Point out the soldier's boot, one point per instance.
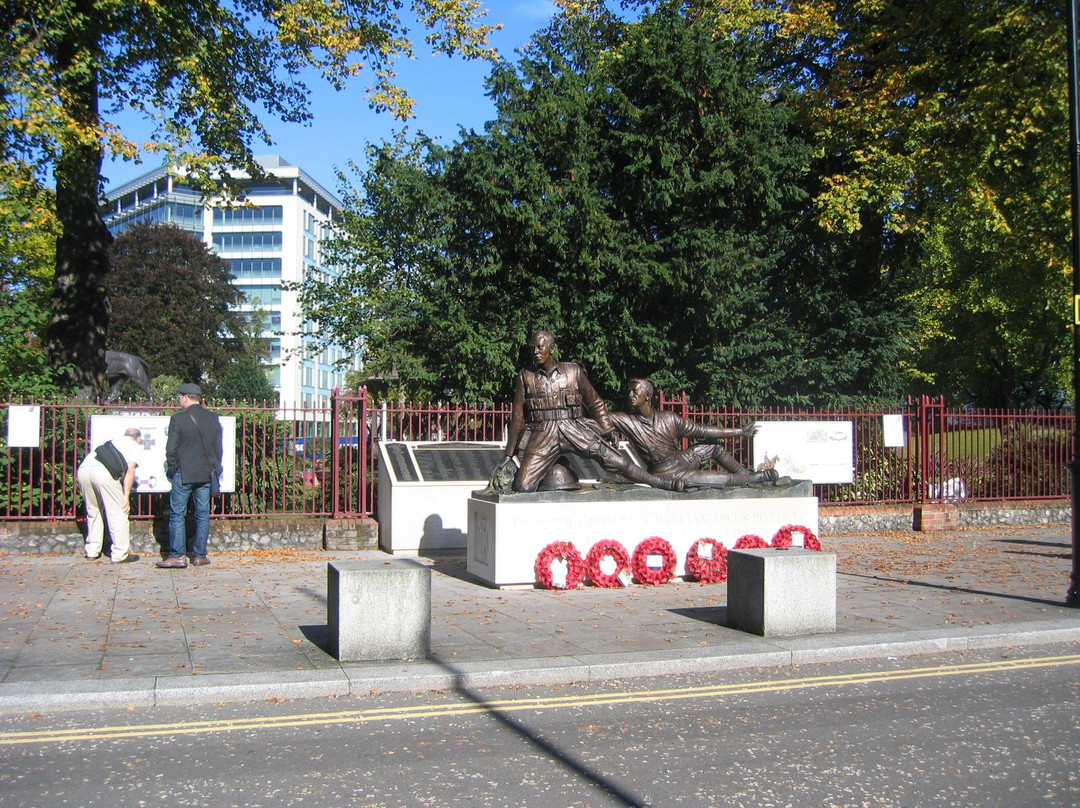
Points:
(765, 476)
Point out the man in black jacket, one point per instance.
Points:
(193, 465)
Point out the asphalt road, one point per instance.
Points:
(994, 728)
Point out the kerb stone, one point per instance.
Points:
(781, 592)
(378, 610)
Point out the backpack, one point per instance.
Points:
(109, 456)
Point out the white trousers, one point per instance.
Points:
(104, 500)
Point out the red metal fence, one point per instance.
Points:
(322, 461)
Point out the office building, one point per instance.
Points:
(273, 239)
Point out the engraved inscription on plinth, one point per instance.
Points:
(457, 462)
(400, 462)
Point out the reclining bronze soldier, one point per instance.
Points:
(657, 435)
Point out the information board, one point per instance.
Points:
(150, 468)
(820, 451)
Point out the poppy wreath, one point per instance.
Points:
(708, 570)
(750, 542)
(653, 545)
(575, 567)
(784, 534)
(606, 548)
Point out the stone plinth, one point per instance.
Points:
(781, 593)
(378, 610)
(508, 531)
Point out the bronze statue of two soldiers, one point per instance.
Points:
(557, 411)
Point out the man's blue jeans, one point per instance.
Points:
(199, 493)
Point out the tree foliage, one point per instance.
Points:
(943, 130)
(635, 195)
(202, 72)
(643, 193)
(940, 180)
(172, 303)
(27, 251)
(245, 380)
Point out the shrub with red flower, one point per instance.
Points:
(710, 568)
(750, 542)
(575, 567)
(604, 549)
(783, 537)
(653, 546)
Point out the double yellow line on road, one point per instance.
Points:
(524, 704)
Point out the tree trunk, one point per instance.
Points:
(79, 323)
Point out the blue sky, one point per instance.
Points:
(449, 95)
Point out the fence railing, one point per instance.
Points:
(321, 461)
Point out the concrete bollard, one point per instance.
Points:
(781, 592)
(378, 610)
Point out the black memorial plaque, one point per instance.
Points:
(401, 463)
(457, 462)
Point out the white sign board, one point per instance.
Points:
(820, 451)
(150, 469)
(24, 427)
(892, 427)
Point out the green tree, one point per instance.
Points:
(27, 252)
(24, 366)
(940, 183)
(632, 196)
(202, 71)
(245, 380)
(395, 225)
(166, 387)
(172, 301)
(943, 130)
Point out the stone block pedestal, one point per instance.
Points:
(781, 593)
(378, 610)
(508, 531)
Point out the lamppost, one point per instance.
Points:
(1073, 597)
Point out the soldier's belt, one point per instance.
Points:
(564, 414)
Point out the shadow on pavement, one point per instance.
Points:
(952, 588)
(717, 615)
(319, 636)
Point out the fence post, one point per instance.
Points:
(335, 454)
(363, 432)
(931, 422)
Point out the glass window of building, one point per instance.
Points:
(253, 240)
(256, 267)
(248, 216)
(262, 295)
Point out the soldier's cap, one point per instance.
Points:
(190, 389)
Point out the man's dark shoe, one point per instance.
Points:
(177, 563)
(128, 559)
(93, 557)
(196, 561)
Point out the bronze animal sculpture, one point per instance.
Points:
(120, 366)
